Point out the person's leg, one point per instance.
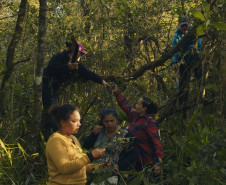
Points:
(182, 72)
(185, 74)
(198, 69)
(48, 98)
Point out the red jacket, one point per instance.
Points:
(145, 131)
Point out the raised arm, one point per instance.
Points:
(91, 139)
(123, 103)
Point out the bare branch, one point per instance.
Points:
(15, 64)
(159, 62)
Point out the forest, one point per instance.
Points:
(128, 44)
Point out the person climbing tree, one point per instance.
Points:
(185, 59)
(62, 67)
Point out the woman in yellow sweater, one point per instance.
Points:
(67, 165)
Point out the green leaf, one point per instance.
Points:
(190, 168)
(197, 14)
(193, 179)
(200, 30)
(206, 7)
(137, 180)
(191, 122)
(219, 25)
(22, 150)
(7, 152)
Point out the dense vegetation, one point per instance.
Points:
(129, 44)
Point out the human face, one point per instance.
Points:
(184, 28)
(72, 124)
(140, 110)
(110, 123)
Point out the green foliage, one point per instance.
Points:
(15, 163)
(120, 37)
(196, 154)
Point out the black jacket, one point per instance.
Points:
(58, 71)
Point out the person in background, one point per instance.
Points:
(185, 59)
(67, 164)
(61, 68)
(145, 130)
(113, 138)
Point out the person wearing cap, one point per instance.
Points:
(60, 69)
(185, 58)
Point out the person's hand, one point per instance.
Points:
(105, 84)
(104, 165)
(157, 169)
(72, 66)
(116, 170)
(115, 88)
(97, 153)
(175, 67)
(96, 129)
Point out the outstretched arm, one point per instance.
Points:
(123, 103)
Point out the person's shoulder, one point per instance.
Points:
(59, 55)
(150, 119)
(178, 32)
(54, 138)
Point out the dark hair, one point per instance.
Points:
(152, 108)
(106, 112)
(61, 113)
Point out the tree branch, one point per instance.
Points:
(14, 65)
(159, 62)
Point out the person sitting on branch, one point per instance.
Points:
(185, 59)
(62, 67)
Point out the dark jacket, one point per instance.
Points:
(58, 72)
(127, 155)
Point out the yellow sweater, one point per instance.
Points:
(66, 162)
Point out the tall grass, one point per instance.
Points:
(17, 167)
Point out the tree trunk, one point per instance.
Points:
(222, 79)
(38, 76)
(85, 7)
(11, 52)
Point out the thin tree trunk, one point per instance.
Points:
(221, 111)
(86, 12)
(38, 76)
(11, 52)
